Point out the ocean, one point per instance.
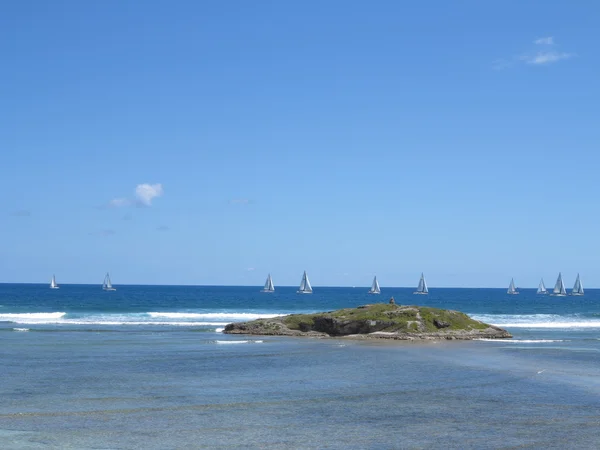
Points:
(148, 367)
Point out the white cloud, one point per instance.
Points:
(546, 57)
(250, 269)
(145, 193)
(544, 41)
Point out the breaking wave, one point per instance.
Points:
(538, 320)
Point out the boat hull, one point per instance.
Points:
(267, 291)
(303, 292)
(558, 295)
(109, 289)
(421, 293)
(577, 295)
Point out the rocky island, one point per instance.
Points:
(376, 321)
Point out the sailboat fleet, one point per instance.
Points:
(559, 289)
(306, 288)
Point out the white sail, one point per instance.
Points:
(542, 287)
(512, 288)
(422, 287)
(559, 288)
(53, 284)
(107, 285)
(305, 287)
(578, 288)
(375, 287)
(269, 287)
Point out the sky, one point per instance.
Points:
(185, 142)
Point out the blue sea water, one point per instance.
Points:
(147, 367)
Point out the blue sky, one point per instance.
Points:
(213, 142)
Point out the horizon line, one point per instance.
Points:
(259, 285)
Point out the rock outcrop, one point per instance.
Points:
(377, 321)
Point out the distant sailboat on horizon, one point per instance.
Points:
(559, 288)
(375, 287)
(53, 284)
(422, 287)
(305, 287)
(512, 290)
(107, 285)
(269, 287)
(542, 288)
(578, 288)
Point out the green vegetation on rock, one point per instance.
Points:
(376, 320)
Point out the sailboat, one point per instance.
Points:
(53, 284)
(269, 285)
(107, 285)
(375, 287)
(559, 288)
(542, 288)
(578, 288)
(512, 290)
(305, 287)
(422, 287)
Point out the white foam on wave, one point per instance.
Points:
(39, 316)
(220, 329)
(536, 321)
(21, 329)
(590, 324)
(522, 341)
(231, 316)
(238, 342)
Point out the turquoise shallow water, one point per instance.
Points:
(97, 370)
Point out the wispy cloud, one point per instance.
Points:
(21, 213)
(546, 57)
(103, 233)
(249, 269)
(535, 57)
(144, 194)
(119, 202)
(163, 228)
